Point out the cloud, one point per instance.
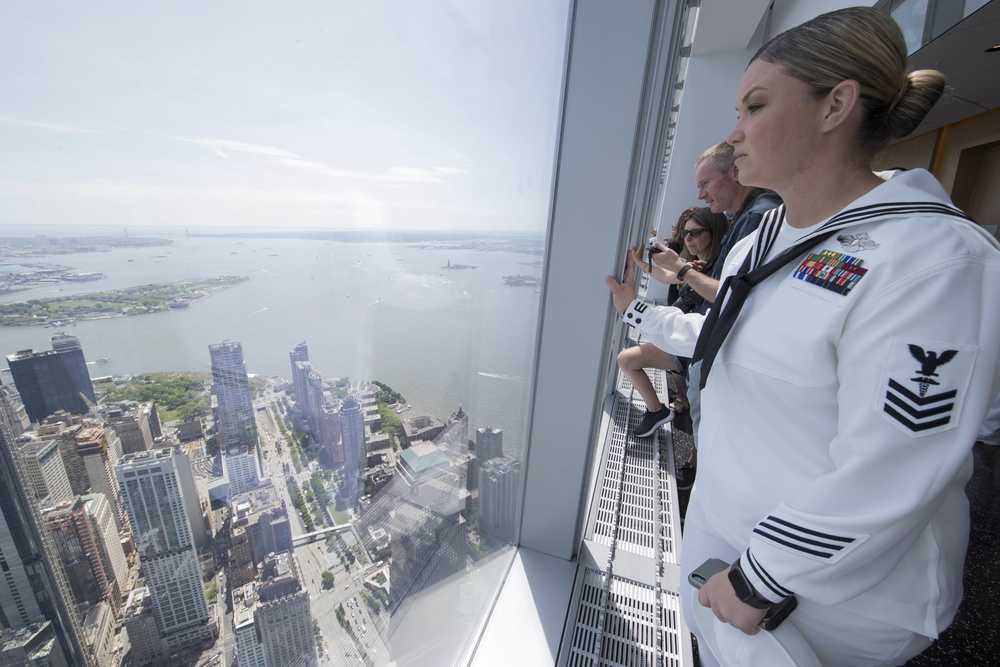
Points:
(48, 126)
(300, 163)
(414, 175)
(393, 174)
(113, 191)
(223, 147)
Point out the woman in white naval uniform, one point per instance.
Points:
(840, 411)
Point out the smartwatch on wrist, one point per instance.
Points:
(683, 272)
(744, 590)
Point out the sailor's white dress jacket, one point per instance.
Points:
(839, 416)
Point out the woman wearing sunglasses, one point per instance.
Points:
(701, 233)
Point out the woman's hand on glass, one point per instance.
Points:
(639, 258)
(623, 292)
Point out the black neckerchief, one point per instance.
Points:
(720, 320)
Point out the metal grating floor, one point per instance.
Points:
(620, 626)
(627, 611)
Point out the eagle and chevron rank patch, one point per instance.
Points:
(924, 384)
(831, 270)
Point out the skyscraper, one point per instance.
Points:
(103, 522)
(36, 644)
(499, 480)
(152, 492)
(17, 601)
(74, 539)
(64, 342)
(137, 425)
(299, 358)
(249, 650)
(237, 429)
(271, 616)
(52, 380)
(45, 472)
(316, 400)
(489, 443)
(18, 606)
(282, 615)
(100, 449)
(263, 514)
(140, 623)
(240, 468)
(232, 388)
(352, 432)
(310, 396)
(34, 584)
(329, 433)
(192, 501)
(63, 427)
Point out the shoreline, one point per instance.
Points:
(113, 304)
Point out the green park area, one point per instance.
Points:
(176, 395)
(114, 303)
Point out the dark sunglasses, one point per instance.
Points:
(693, 233)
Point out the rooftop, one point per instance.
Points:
(36, 448)
(423, 456)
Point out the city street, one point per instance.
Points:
(314, 559)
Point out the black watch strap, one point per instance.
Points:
(743, 588)
(683, 272)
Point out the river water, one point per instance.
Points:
(385, 311)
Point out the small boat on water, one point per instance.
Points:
(104, 360)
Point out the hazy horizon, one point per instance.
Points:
(431, 116)
(115, 231)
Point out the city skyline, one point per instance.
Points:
(428, 488)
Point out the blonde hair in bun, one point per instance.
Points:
(864, 45)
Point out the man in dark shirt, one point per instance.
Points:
(717, 178)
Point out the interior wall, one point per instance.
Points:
(980, 193)
(705, 118)
(975, 131)
(963, 156)
(913, 153)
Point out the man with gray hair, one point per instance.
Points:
(717, 178)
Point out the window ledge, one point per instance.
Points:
(527, 624)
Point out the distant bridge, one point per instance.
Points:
(309, 538)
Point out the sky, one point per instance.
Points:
(368, 114)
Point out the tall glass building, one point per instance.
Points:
(53, 380)
(151, 488)
(236, 427)
(352, 433)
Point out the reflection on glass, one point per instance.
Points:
(923, 20)
(911, 15)
(286, 264)
(948, 14)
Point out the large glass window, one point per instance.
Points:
(925, 20)
(348, 201)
